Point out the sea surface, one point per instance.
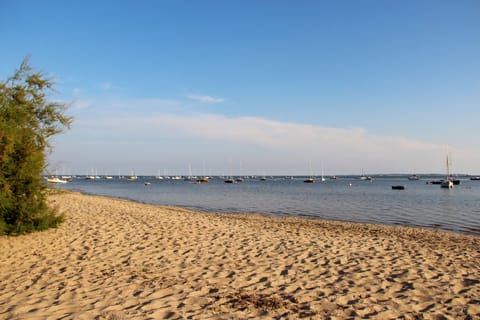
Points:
(344, 199)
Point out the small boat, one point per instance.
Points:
(398, 187)
(475, 178)
(322, 178)
(366, 178)
(147, 183)
(448, 182)
(239, 179)
(229, 180)
(309, 180)
(202, 180)
(56, 180)
(413, 177)
(133, 176)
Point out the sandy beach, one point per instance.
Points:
(116, 259)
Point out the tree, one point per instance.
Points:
(27, 122)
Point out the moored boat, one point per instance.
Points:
(202, 180)
(54, 179)
(448, 182)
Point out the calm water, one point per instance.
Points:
(345, 199)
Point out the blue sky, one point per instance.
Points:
(256, 87)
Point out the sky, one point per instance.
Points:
(255, 87)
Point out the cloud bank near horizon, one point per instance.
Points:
(156, 137)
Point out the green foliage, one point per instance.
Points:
(27, 122)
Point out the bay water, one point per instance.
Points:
(343, 199)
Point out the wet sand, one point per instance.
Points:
(116, 259)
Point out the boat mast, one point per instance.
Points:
(448, 169)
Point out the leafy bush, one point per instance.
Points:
(27, 122)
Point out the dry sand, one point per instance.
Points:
(115, 259)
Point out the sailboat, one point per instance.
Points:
(413, 177)
(56, 179)
(158, 176)
(202, 180)
(190, 175)
(447, 183)
(205, 178)
(310, 179)
(133, 177)
(365, 178)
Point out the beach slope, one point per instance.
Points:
(116, 259)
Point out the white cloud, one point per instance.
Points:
(205, 98)
(276, 144)
(152, 130)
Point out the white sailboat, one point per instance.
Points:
(448, 182)
(133, 177)
(55, 179)
(158, 176)
(366, 178)
(310, 179)
(323, 177)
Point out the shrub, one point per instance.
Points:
(27, 122)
